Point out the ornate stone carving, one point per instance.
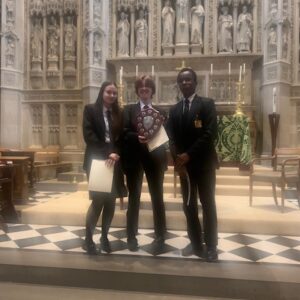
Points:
(36, 40)
(36, 7)
(97, 12)
(10, 51)
(272, 42)
(141, 34)
(53, 49)
(168, 24)
(71, 124)
(37, 124)
(10, 14)
(98, 46)
(70, 7)
(53, 111)
(182, 22)
(225, 29)
(244, 30)
(123, 31)
(54, 7)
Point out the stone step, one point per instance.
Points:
(72, 176)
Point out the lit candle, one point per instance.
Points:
(274, 99)
(121, 75)
(240, 76)
(244, 69)
(229, 68)
(152, 71)
(211, 69)
(136, 71)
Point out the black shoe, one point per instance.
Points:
(157, 245)
(132, 245)
(189, 250)
(212, 254)
(105, 245)
(90, 248)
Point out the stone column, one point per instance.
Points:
(12, 58)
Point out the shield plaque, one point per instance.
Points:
(148, 122)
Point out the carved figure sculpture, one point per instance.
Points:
(168, 22)
(141, 33)
(197, 20)
(123, 31)
(53, 37)
(225, 25)
(10, 10)
(182, 24)
(97, 48)
(272, 42)
(244, 31)
(10, 51)
(70, 37)
(37, 39)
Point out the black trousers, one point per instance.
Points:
(155, 177)
(204, 186)
(101, 202)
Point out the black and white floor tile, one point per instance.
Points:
(37, 197)
(232, 246)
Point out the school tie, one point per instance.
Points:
(109, 121)
(145, 107)
(185, 114)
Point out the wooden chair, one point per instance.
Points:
(285, 171)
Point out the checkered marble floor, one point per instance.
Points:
(37, 197)
(232, 246)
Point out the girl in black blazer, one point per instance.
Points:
(101, 128)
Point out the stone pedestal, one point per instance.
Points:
(168, 50)
(196, 49)
(182, 49)
(70, 72)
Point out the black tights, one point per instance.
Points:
(107, 203)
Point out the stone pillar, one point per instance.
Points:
(12, 58)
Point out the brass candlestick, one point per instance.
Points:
(240, 95)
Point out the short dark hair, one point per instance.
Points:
(145, 81)
(188, 70)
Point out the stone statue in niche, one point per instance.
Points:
(37, 39)
(244, 31)
(272, 42)
(97, 13)
(70, 37)
(10, 51)
(225, 25)
(97, 49)
(168, 22)
(285, 42)
(53, 37)
(182, 22)
(141, 34)
(197, 21)
(123, 31)
(10, 6)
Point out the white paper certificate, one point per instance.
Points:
(101, 177)
(159, 139)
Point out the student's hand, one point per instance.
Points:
(181, 160)
(114, 156)
(142, 139)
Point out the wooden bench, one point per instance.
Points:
(47, 165)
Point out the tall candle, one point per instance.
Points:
(244, 69)
(136, 71)
(152, 71)
(211, 69)
(229, 68)
(240, 76)
(121, 75)
(274, 99)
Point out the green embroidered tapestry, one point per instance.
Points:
(233, 142)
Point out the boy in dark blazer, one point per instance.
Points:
(136, 159)
(192, 128)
